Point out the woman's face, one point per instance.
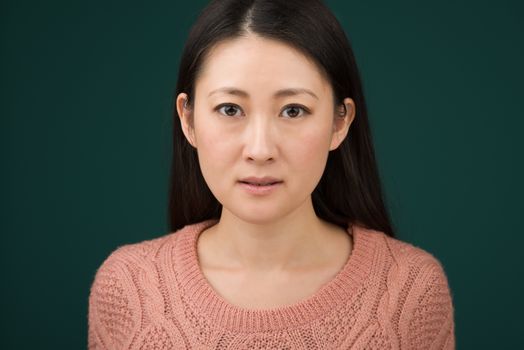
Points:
(261, 108)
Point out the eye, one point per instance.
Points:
(294, 111)
(227, 109)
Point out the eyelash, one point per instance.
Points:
(305, 111)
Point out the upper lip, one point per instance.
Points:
(260, 180)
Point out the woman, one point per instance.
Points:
(280, 238)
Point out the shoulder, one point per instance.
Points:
(115, 296)
(135, 258)
(413, 255)
(419, 270)
(418, 292)
(120, 269)
(125, 261)
(412, 267)
(145, 250)
(404, 255)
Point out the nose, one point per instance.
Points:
(260, 146)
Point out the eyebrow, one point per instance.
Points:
(279, 93)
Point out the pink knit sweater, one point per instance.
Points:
(153, 295)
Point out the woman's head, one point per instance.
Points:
(289, 105)
(262, 108)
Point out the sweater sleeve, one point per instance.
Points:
(432, 322)
(111, 317)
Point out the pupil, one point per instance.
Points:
(294, 111)
(230, 109)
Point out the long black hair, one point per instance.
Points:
(349, 190)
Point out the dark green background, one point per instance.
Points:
(86, 100)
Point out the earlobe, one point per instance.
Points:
(342, 122)
(184, 113)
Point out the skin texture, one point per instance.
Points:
(275, 239)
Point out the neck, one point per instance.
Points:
(298, 241)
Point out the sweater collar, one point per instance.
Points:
(204, 300)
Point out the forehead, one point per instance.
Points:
(256, 62)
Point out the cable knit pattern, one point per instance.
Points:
(153, 295)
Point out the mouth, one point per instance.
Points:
(260, 189)
(260, 180)
(260, 184)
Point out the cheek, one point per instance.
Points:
(311, 151)
(210, 148)
(214, 155)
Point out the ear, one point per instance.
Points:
(342, 122)
(185, 113)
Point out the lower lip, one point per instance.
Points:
(260, 190)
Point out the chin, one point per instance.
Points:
(257, 218)
(256, 215)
